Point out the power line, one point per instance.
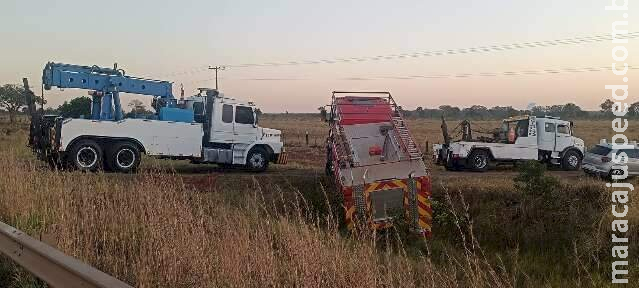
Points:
(435, 53)
(546, 71)
(490, 74)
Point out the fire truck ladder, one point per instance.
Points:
(402, 135)
(342, 147)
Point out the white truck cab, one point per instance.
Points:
(231, 131)
(223, 130)
(547, 139)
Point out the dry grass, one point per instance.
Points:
(152, 231)
(159, 229)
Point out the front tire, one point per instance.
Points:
(571, 161)
(257, 160)
(479, 160)
(86, 156)
(124, 157)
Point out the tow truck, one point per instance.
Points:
(546, 139)
(205, 128)
(376, 164)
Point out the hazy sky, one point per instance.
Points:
(173, 40)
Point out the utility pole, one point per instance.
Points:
(216, 68)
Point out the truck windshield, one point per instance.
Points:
(600, 150)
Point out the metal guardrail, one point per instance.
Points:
(49, 264)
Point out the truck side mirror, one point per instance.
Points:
(255, 118)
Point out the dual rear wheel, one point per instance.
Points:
(89, 156)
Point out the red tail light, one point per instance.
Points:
(374, 150)
(605, 159)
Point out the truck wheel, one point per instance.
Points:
(124, 157)
(571, 161)
(479, 160)
(257, 160)
(86, 155)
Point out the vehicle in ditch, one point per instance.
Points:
(376, 164)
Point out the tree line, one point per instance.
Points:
(479, 112)
(13, 100)
(80, 107)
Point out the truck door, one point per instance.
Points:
(245, 130)
(546, 140)
(222, 124)
(563, 137)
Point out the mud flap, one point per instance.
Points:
(282, 158)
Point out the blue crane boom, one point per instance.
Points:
(106, 84)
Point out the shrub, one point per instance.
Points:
(533, 181)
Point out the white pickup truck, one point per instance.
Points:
(546, 139)
(224, 131)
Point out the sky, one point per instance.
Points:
(178, 40)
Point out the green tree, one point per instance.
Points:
(13, 98)
(533, 181)
(76, 108)
(476, 112)
(571, 110)
(606, 106)
(554, 110)
(323, 112)
(633, 110)
(501, 112)
(137, 109)
(450, 111)
(538, 110)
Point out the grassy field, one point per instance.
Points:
(179, 225)
(295, 127)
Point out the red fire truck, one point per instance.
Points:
(377, 165)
